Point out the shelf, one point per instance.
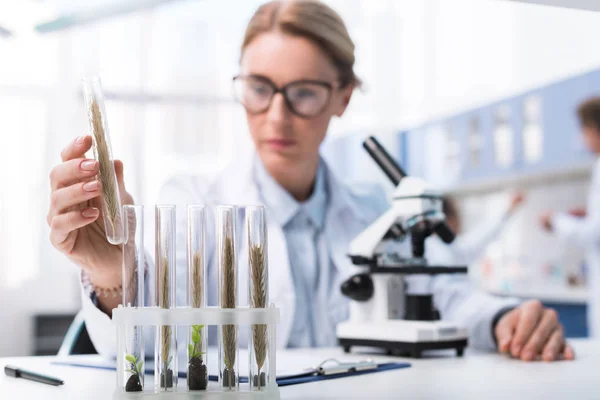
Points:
(580, 171)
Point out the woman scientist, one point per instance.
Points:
(297, 74)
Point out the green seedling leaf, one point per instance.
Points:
(195, 337)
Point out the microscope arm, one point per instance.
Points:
(367, 244)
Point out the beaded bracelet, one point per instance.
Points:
(103, 292)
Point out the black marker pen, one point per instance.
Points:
(16, 372)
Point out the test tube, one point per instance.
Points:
(258, 295)
(133, 295)
(98, 124)
(197, 374)
(226, 258)
(165, 370)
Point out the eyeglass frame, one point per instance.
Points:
(329, 86)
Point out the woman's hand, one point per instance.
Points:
(532, 332)
(75, 216)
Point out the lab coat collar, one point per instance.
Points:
(283, 206)
(243, 186)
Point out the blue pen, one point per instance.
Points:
(16, 372)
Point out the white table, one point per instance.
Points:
(476, 376)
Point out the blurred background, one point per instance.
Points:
(453, 88)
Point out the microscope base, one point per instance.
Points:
(401, 337)
(405, 349)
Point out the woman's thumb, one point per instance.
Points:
(505, 330)
(119, 172)
(125, 196)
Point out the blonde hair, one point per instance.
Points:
(312, 20)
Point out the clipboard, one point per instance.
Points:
(333, 369)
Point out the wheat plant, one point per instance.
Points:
(259, 300)
(165, 337)
(110, 193)
(228, 301)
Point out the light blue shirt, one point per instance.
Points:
(302, 225)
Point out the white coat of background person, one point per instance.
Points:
(581, 227)
(296, 74)
(469, 246)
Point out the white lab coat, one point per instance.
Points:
(585, 233)
(469, 246)
(349, 213)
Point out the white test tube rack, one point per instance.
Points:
(127, 317)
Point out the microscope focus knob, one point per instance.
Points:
(444, 232)
(359, 287)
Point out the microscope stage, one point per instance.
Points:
(410, 337)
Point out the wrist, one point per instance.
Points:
(106, 284)
(105, 277)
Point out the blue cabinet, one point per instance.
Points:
(475, 139)
(573, 317)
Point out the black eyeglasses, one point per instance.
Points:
(305, 98)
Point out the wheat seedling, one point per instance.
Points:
(165, 337)
(259, 300)
(197, 281)
(110, 193)
(228, 301)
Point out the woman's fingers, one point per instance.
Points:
(77, 148)
(554, 345)
(62, 225)
(530, 314)
(546, 326)
(568, 352)
(63, 199)
(72, 171)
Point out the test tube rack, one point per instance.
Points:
(152, 317)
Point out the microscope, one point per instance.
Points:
(383, 313)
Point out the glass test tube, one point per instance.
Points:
(226, 258)
(98, 124)
(165, 370)
(133, 295)
(197, 374)
(258, 295)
